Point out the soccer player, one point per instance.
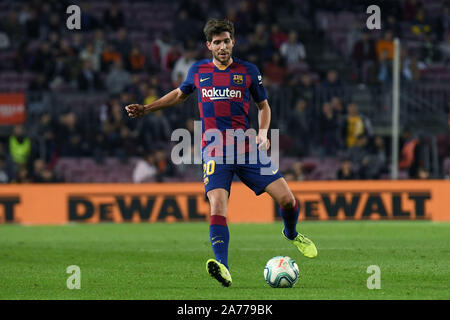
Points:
(225, 84)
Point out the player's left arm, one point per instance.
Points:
(264, 116)
(259, 94)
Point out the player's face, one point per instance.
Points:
(221, 47)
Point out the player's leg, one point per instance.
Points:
(217, 178)
(289, 211)
(219, 236)
(289, 208)
(218, 228)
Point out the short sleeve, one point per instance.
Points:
(257, 89)
(188, 85)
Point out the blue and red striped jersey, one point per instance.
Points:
(224, 95)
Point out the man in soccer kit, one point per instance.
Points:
(225, 84)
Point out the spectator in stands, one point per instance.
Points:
(420, 23)
(172, 57)
(262, 42)
(22, 175)
(293, 50)
(444, 47)
(328, 130)
(117, 78)
(367, 165)
(409, 9)
(39, 83)
(77, 43)
(443, 24)
(145, 169)
(386, 44)
(299, 128)
(355, 125)
(410, 67)
(264, 13)
(428, 50)
(136, 60)
(109, 56)
(193, 9)
(363, 53)
(275, 71)
(332, 86)
(113, 17)
(277, 36)
(89, 54)
(32, 27)
(164, 167)
(99, 42)
(42, 60)
(150, 95)
(38, 168)
(88, 21)
(161, 49)
(338, 108)
(379, 152)
(345, 171)
(88, 78)
(242, 18)
(44, 132)
(410, 154)
(72, 142)
(159, 126)
(19, 145)
(12, 26)
(297, 171)
(181, 67)
(384, 69)
(304, 88)
(183, 27)
(447, 174)
(6, 174)
(423, 174)
(123, 44)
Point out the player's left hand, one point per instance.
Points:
(262, 142)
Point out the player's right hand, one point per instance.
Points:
(135, 110)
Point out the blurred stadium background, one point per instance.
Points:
(69, 153)
(329, 80)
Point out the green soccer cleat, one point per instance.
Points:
(218, 271)
(304, 245)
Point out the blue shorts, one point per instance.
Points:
(257, 176)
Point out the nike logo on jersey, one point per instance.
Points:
(274, 171)
(204, 79)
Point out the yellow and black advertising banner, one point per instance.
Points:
(176, 202)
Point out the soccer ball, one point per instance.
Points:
(281, 272)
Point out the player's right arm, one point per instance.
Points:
(173, 98)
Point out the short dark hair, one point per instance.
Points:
(217, 26)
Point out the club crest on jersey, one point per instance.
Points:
(238, 79)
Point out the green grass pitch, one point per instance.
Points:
(167, 261)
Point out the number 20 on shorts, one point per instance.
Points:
(208, 168)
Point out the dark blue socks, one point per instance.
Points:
(290, 218)
(220, 237)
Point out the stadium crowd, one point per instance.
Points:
(101, 57)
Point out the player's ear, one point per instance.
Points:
(208, 45)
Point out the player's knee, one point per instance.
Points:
(287, 201)
(218, 206)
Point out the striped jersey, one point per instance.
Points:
(224, 95)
